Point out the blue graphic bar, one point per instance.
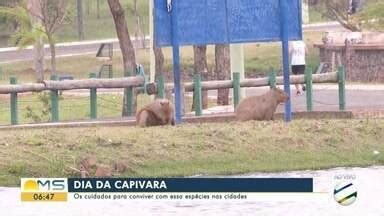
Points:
(244, 185)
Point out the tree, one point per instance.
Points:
(201, 66)
(138, 33)
(127, 50)
(355, 15)
(223, 68)
(80, 19)
(38, 47)
(53, 13)
(28, 32)
(98, 9)
(371, 16)
(338, 10)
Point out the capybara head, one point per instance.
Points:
(166, 105)
(164, 102)
(281, 96)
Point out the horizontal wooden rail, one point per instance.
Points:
(256, 82)
(52, 85)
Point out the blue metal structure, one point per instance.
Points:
(186, 22)
(285, 49)
(176, 59)
(224, 21)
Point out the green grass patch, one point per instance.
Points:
(94, 27)
(316, 16)
(209, 149)
(31, 108)
(70, 108)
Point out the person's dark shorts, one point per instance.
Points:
(298, 69)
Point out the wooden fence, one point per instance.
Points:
(54, 86)
(308, 78)
(160, 87)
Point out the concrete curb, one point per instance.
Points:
(214, 118)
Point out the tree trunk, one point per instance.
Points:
(139, 35)
(88, 6)
(127, 50)
(159, 62)
(38, 59)
(38, 47)
(98, 9)
(200, 66)
(53, 54)
(80, 19)
(223, 68)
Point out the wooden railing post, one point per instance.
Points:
(128, 94)
(272, 78)
(309, 89)
(197, 94)
(14, 117)
(236, 88)
(54, 103)
(93, 99)
(160, 86)
(341, 81)
(110, 72)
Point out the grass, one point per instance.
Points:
(92, 24)
(209, 149)
(72, 107)
(259, 58)
(315, 16)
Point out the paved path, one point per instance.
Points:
(358, 96)
(329, 26)
(369, 183)
(325, 98)
(13, 54)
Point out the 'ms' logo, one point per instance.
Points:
(46, 184)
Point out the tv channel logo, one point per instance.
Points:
(44, 189)
(345, 193)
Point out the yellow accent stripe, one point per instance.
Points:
(44, 197)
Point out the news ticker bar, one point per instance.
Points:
(242, 185)
(60, 189)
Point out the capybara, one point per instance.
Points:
(103, 171)
(159, 112)
(260, 107)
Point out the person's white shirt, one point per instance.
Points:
(297, 51)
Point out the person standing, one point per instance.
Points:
(297, 51)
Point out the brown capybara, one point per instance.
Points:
(159, 112)
(261, 107)
(103, 171)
